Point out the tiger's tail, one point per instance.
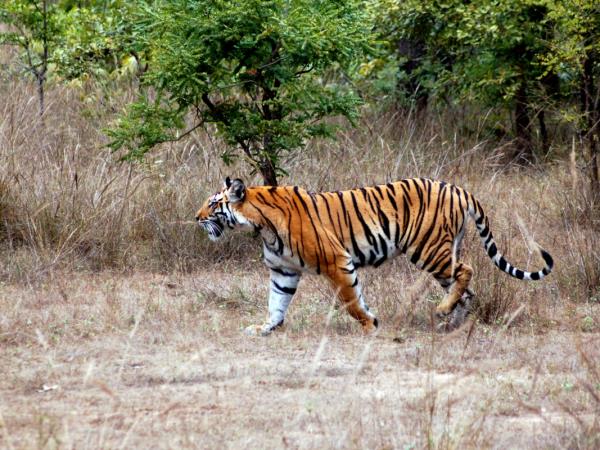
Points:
(482, 224)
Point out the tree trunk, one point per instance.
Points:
(413, 50)
(41, 75)
(524, 146)
(544, 132)
(40, 82)
(267, 170)
(591, 131)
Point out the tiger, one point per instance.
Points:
(334, 233)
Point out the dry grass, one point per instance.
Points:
(120, 323)
(99, 361)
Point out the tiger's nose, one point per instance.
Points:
(197, 217)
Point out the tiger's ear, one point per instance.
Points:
(236, 190)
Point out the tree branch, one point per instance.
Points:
(219, 116)
(188, 132)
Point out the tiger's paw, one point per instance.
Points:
(261, 330)
(257, 330)
(370, 328)
(455, 319)
(442, 311)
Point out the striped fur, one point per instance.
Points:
(334, 233)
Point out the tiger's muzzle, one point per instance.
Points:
(213, 227)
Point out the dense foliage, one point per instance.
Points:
(266, 75)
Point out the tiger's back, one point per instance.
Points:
(418, 217)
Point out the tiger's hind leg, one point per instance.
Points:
(456, 280)
(345, 281)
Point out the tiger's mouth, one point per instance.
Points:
(213, 227)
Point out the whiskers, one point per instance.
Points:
(214, 229)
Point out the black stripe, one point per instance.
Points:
(273, 229)
(418, 220)
(343, 205)
(380, 261)
(535, 276)
(383, 258)
(478, 207)
(328, 209)
(502, 264)
(451, 203)
(314, 202)
(289, 228)
(397, 235)
(492, 250)
(443, 269)
(391, 197)
(444, 257)
(433, 251)
(368, 233)
(547, 259)
(355, 247)
(284, 289)
(373, 202)
(299, 197)
(426, 238)
(406, 189)
(406, 223)
(312, 222)
(385, 222)
(372, 258)
(519, 274)
(283, 272)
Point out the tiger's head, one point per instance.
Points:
(223, 209)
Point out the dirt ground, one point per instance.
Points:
(155, 361)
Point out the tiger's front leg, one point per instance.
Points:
(283, 287)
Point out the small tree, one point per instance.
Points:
(32, 27)
(260, 70)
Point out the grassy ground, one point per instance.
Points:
(120, 324)
(116, 361)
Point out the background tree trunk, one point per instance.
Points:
(267, 170)
(413, 50)
(524, 146)
(590, 132)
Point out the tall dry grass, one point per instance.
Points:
(67, 203)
